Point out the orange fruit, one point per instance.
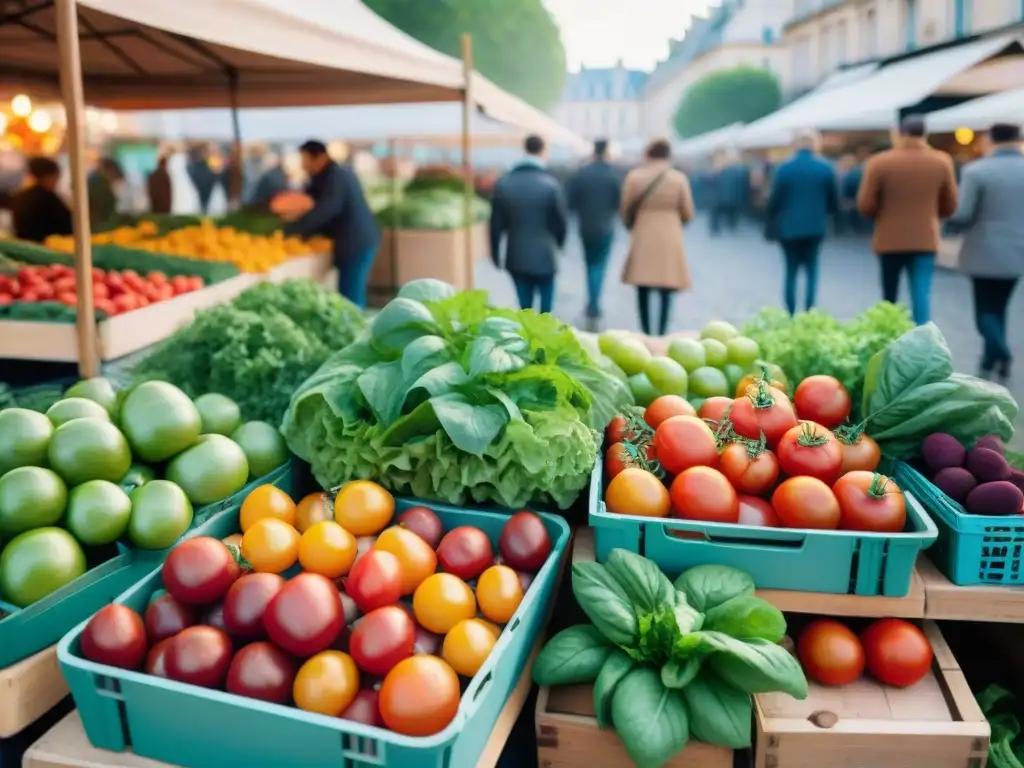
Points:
(363, 508)
(499, 593)
(442, 601)
(467, 646)
(417, 559)
(266, 501)
(270, 546)
(311, 510)
(328, 549)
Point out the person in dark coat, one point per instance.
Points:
(594, 192)
(730, 194)
(803, 198)
(38, 210)
(158, 185)
(342, 214)
(529, 211)
(202, 176)
(270, 183)
(102, 185)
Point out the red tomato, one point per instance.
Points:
(166, 617)
(246, 602)
(28, 295)
(756, 511)
(106, 306)
(67, 298)
(806, 502)
(524, 543)
(812, 450)
(14, 286)
(65, 285)
(214, 617)
(618, 457)
(98, 274)
(125, 302)
(636, 491)
(749, 469)
(262, 671)
(46, 291)
(665, 407)
(715, 408)
(863, 453)
(682, 442)
(702, 493)
(199, 656)
(157, 278)
(115, 636)
(830, 653)
(199, 571)
(364, 709)
(420, 696)
(195, 283)
(823, 400)
(156, 659)
(381, 639)
(375, 580)
(424, 523)
(305, 616)
(30, 274)
(5, 299)
(100, 291)
(870, 502)
(766, 411)
(179, 284)
(897, 652)
(617, 430)
(466, 552)
(164, 292)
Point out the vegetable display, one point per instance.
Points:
(431, 208)
(980, 480)
(1003, 711)
(671, 660)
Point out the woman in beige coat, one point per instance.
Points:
(656, 202)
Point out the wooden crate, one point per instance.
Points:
(314, 266)
(934, 724)
(405, 255)
(568, 736)
(982, 602)
(28, 690)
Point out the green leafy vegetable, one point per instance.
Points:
(757, 666)
(708, 586)
(719, 713)
(651, 719)
(643, 582)
(605, 602)
(747, 617)
(1002, 709)
(435, 208)
(679, 674)
(616, 667)
(574, 655)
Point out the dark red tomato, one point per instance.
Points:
(465, 552)
(375, 580)
(683, 442)
(156, 659)
(665, 407)
(115, 636)
(524, 543)
(806, 502)
(199, 571)
(428, 642)
(715, 408)
(364, 709)
(305, 616)
(214, 617)
(166, 617)
(823, 400)
(870, 502)
(246, 601)
(756, 511)
(200, 656)
(749, 469)
(897, 652)
(424, 523)
(702, 493)
(863, 453)
(262, 671)
(830, 653)
(525, 580)
(765, 411)
(617, 430)
(381, 639)
(812, 450)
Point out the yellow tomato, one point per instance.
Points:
(266, 501)
(499, 593)
(270, 546)
(441, 602)
(328, 549)
(363, 508)
(417, 559)
(326, 683)
(467, 646)
(312, 510)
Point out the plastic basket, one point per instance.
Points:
(837, 562)
(202, 728)
(29, 630)
(970, 549)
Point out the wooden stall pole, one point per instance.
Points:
(394, 224)
(467, 158)
(74, 108)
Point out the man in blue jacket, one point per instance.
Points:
(804, 197)
(342, 214)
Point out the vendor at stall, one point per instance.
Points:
(38, 210)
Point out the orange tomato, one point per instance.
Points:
(417, 559)
(266, 501)
(327, 683)
(270, 546)
(312, 510)
(636, 491)
(442, 601)
(363, 508)
(327, 549)
(498, 593)
(467, 646)
(420, 696)
(234, 540)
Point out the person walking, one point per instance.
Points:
(203, 178)
(594, 192)
(341, 213)
(158, 186)
(38, 211)
(731, 187)
(992, 253)
(907, 190)
(656, 202)
(103, 186)
(803, 198)
(528, 210)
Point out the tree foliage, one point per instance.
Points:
(516, 43)
(735, 95)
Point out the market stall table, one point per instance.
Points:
(28, 690)
(945, 600)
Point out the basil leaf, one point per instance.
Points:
(687, 619)
(604, 602)
(679, 674)
(646, 586)
(650, 719)
(574, 655)
(719, 714)
(616, 667)
(471, 428)
(758, 666)
(747, 617)
(708, 586)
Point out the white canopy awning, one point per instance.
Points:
(980, 113)
(708, 143)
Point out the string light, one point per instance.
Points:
(963, 136)
(40, 121)
(21, 105)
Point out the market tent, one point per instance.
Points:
(708, 143)
(980, 113)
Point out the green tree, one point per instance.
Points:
(516, 43)
(736, 95)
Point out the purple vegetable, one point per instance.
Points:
(955, 482)
(998, 498)
(987, 465)
(992, 442)
(1017, 478)
(940, 451)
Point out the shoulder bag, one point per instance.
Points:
(634, 207)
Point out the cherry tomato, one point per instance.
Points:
(637, 492)
(823, 400)
(266, 501)
(214, 617)
(420, 696)
(617, 430)
(749, 469)
(200, 656)
(415, 557)
(524, 543)
(870, 502)
(498, 593)
(665, 407)
(465, 551)
(381, 639)
(756, 511)
(682, 442)
(427, 642)
(247, 601)
(467, 646)
(166, 617)
(830, 652)
(442, 601)
(156, 659)
(715, 408)
(305, 616)
(327, 683)
(810, 449)
(115, 636)
(199, 571)
(375, 580)
(424, 523)
(364, 709)
(765, 411)
(702, 493)
(262, 671)
(863, 453)
(897, 652)
(328, 549)
(748, 385)
(311, 510)
(271, 546)
(806, 502)
(363, 508)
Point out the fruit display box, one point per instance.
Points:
(25, 631)
(122, 709)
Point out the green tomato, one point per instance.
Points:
(159, 421)
(30, 497)
(98, 512)
(37, 563)
(734, 375)
(689, 353)
(628, 352)
(24, 437)
(220, 415)
(715, 352)
(89, 449)
(71, 408)
(742, 350)
(264, 448)
(719, 330)
(709, 382)
(643, 391)
(99, 390)
(211, 470)
(667, 376)
(161, 513)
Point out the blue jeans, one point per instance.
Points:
(991, 298)
(595, 255)
(801, 253)
(529, 286)
(354, 275)
(921, 267)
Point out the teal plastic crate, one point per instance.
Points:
(837, 562)
(970, 549)
(202, 728)
(25, 631)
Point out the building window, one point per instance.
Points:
(870, 36)
(962, 17)
(840, 49)
(910, 23)
(768, 35)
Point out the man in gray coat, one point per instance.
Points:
(528, 210)
(992, 253)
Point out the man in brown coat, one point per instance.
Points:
(907, 190)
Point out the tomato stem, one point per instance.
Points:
(879, 484)
(755, 447)
(809, 438)
(723, 429)
(638, 458)
(761, 397)
(849, 434)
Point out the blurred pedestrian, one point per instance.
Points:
(233, 178)
(528, 209)
(730, 192)
(656, 202)
(907, 190)
(158, 185)
(594, 192)
(202, 175)
(849, 185)
(992, 253)
(38, 211)
(104, 185)
(802, 200)
(271, 182)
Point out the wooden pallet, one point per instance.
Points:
(28, 690)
